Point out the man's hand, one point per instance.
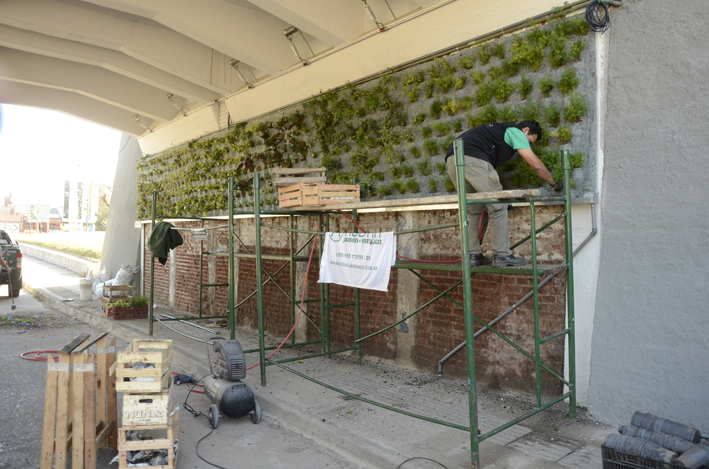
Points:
(559, 186)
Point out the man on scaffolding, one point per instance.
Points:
(486, 148)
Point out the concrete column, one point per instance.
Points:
(122, 243)
(407, 292)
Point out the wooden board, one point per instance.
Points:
(50, 410)
(111, 405)
(63, 411)
(437, 200)
(77, 385)
(89, 412)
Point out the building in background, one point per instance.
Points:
(81, 204)
(11, 217)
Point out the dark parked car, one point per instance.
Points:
(12, 255)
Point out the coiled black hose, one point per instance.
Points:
(597, 21)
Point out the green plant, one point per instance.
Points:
(435, 109)
(445, 66)
(415, 152)
(578, 26)
(419, 119)
(441, 167)
(467, 62)
(412, 185)
(447, 142)
(525, 87)
(577, 48)
(558, 55)
(432, 184)
(563, 134)
(457, 126)
(498, 50)
(502, 89)
(576, 109)
(424, 167)
(459, 83)
(529, 53)
(444, 83)
(431, 146)
(407, 170)
(494, 73)
(484, 55)
(466, 103)
(510, 68)
(568, 81)
(552, 112)
(450, 106)
(576, 159)
(399, 186)
(482, 95)
(507, 114)
(478, 77)
(450, 187)
(442, 128)
(428, 88)
(426, 132)
(134, 302)
(546, 84)
(529, 111)
(395, 172)
(383, 191)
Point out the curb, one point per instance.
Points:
(341, 440)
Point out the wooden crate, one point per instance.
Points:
(305, 194)
(288, 176)
(157, 352)
(147, 409)
(171, 432)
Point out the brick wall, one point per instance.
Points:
(440, 326)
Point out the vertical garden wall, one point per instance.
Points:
(390, 134)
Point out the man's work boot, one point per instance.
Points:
(476, 260)
(507, 261)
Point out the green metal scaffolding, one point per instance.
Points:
(323, 327)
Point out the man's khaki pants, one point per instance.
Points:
(480, 176)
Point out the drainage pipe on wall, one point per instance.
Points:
(594, 230)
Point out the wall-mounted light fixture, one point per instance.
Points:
(138, 121)
(235, 63)
(289, 33)
(175, 102)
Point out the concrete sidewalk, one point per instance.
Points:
(367, 435)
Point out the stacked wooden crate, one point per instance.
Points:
(296, 190)
(144, 375)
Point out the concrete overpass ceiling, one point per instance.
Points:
(82, 107)
(88, 80)
(131, 54)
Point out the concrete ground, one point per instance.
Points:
(311, 421)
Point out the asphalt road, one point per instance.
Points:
(236, 443)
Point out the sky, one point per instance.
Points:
(41, 149)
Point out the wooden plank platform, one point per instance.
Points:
(437, 200)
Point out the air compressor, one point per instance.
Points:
(230, 397)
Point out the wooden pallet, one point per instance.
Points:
(157, 352)
(171, 430)
(80, 403)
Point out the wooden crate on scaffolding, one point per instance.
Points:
(170, 432)
(303, 195)
(145, 366)
(147, 408)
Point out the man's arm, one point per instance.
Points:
(532, 160)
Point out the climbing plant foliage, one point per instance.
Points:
(389, 135)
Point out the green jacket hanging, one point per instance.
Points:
(163, 239)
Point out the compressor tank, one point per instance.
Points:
(234, 398)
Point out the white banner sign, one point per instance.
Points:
(361, 260)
